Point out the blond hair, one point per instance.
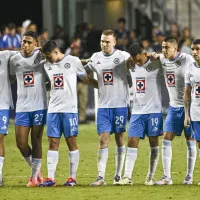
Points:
(109, 32)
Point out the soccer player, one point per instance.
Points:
(109, 64)
(146, 118)
(5, 103)
(174, 66)
(192, 93)
(62, 114)
(27, 66)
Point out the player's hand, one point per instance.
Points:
(38, 48)
(130, 63)
(153, 56)
(86, 61)
(187, 122)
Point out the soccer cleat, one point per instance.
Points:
(70, 182)
(188, 180)
(116, 180)
(149, 181)
(40, 178)
(48, 182)
(1, 183)
(125, 181)
(32, 182)
(164, 181)
(99, 182)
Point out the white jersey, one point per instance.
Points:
(112, 79)
(63, 78)
(30, 74)
(174, 73)
(5, 89)
(147, 88)
(192, 77)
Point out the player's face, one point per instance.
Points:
(28, 44)
(107, 43)
(196, 51)
(169, 50)
(51, 57)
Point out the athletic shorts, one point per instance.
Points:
(4, 121)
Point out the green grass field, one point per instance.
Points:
(16, 173)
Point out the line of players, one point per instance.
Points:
(115, 71)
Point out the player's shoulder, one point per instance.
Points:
(16, 57)
(122, 53)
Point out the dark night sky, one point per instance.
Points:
(19, 10)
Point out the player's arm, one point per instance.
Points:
(90, 81)
(187, 101)
(85, 61)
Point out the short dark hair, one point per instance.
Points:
(121, 20)
(196, 41)
(109, 32)
(135, 49)
(31, 34)
(49, 46)
(171, 39)
(11, 26)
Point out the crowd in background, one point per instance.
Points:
(86, 41)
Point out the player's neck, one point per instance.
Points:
(198, 63)
(143, 61)
(173, 57)
(109, 53)
(60, 57)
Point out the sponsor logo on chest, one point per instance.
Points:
(171, 80)
(58, 81)
(108, 77)
(140, 84)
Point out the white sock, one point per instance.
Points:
(119, 160)
(74, 161)
(191, 156)
(167, 157)
(52, 161)
(35, 167)
(131, 157)
(153, 161)
(28, 160)
(1, 166)
(101, 162)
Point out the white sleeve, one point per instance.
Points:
(126, 55)
(91, 64)
(187, 76)
(189, 60)
(79, 68)
(9, 54)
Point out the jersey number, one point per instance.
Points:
(119, 119)
(154, 121)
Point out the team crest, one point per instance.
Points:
(171, 81)
(178, 63)
(197, 90)
(149, 68)
(28, 79)
(50, 68)
(116, 61)
(108, 77)
(58, 81)
(67, 65)
(140, 85)
(37, 61)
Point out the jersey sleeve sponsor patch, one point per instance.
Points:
(28, 78)
(108, 77)
(58, 81)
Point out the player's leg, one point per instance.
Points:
(104, 129)
(172, 127)
(154, 130)
(120, 116)
(191, 150)
(38, 119)
(135, 132)
(4, 119)
(54, 131)
(70, 129)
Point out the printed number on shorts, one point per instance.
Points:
(4, 118)
(119, 120)
(73, 122)
(38, 117)
(154, 121)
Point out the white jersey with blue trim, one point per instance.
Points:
(30, 75)
(174, 73)
(63, 78)
(192, 78)
(112, 78)
(5, 89)
(147, 88)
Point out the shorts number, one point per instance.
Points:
(119, 119)
(4, 118)
(73, 122)
(154, 121)
(38, 117)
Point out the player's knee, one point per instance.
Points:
(21, 146)
(53, 144)
(153, 141)
(103, 142)
(133, 142)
